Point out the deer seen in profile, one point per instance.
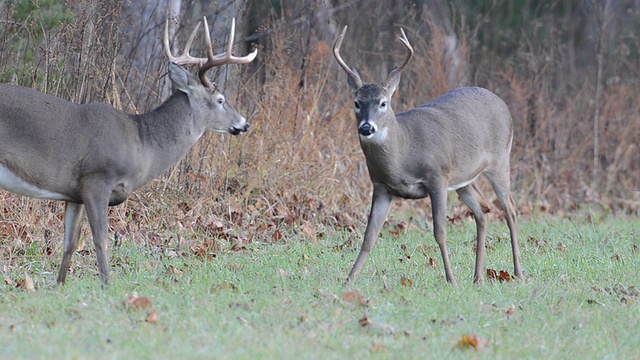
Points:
(428, 150)
(93, 156)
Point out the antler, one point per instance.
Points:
(211, 60)
(336, 53)
(396, 70)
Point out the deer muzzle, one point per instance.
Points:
(366, 128)
(237, 130)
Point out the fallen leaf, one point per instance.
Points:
(277, 235)
(455, 219)
(175, 270)
(141, 302)
(510, 311)
(354, 297)
(406, 281)
(308, 229)
(492, 275)
(472, 341)
(152, 318)
(561, 246)
(136, 302)
(504, 276)
(628, 300)
(432, 263)
(616, 257)
(538, 242)
(364, 321)
(398, 229)
(594, 302)
(27, 283)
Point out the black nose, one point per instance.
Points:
(366, 129)
(236, 131)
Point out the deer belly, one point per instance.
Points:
(409, 191)
(9, 181)
(461, 185)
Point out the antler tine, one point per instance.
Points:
(211, 60)
(403, 39)
(226, 57)
(185, 58)
(336, 53)
(396, 70)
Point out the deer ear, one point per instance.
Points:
(392, 81)
(180, 78)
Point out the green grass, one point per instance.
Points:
(286, 300)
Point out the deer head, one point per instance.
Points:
(372, 102)
(222, 116)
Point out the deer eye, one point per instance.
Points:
(383, 104)
(356, 104)
(220, 100)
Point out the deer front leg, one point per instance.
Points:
(439, 207)
(73, 214)
(379, 208)
(97, 204)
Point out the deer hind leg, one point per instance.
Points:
(73, 215)
(501, 185)
(471, 196)
(439, 207)
(379, 209)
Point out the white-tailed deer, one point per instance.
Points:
(426, 151)
(93, 156)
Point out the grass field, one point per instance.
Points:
(580, 300)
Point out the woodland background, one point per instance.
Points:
(567, 69)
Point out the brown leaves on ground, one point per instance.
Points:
(399, 228)
(628, 295)
(502, 276)
(355, 297)
(364, 321)
(405, 281)
(375, 326)
(135, 302)
(25, 283)
(429, 252)
(406, 255)
(508, 312)
(152, 317)
(472, 341)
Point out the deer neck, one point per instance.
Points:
(168, 132)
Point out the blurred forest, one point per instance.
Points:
(568, 69)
